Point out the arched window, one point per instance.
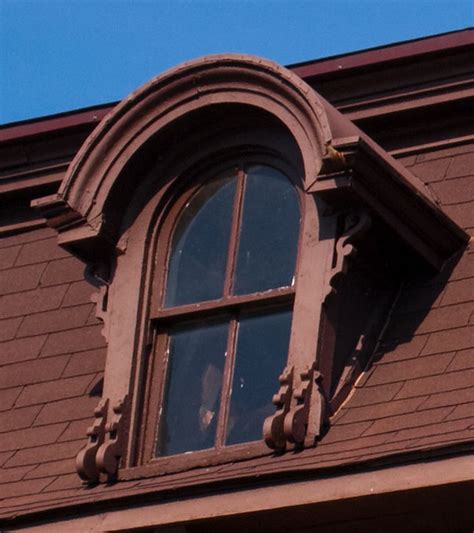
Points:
(258, 285)
(224, 309)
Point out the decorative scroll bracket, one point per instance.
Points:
(317, 411)
(110, 452)
(86, 465)
(303, 422)
(104, 448)
(100, 299)
(345, 248)
(273, 426)
(300, 412)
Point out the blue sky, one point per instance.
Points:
(59, 55)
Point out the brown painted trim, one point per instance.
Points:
(406, 102)
(27, 182)
(386, 54)
(98, 168)
(85, 117)
(22, 227)
(397, 196)
(438, 145)
(29, 178)
(285, 496)
(254, 84)
(30, 171)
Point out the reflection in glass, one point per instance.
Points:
(269, 232)
(197, 263)
(193, 388)
(261, 354)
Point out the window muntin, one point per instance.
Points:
(211, 396)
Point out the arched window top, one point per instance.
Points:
(238, 234)
(197, 260)
(225, 317)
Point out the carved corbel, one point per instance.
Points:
(273, 426)
(86, 465)
(317, 415)
(100, 298)
(109, 454)
(356, 226)
(303, 421)
(58, 214)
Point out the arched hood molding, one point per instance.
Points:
(328, 143)
(236, 79)
(219, 79)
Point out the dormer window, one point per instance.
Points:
(239, 295)
(223, 307)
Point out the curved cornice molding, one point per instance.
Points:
(329, 145)
(221, 79)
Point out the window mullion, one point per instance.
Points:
(235, 231)
(227, 383)
(154, 395)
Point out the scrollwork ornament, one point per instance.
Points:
(100, 298)
(357, 224)
(273, 433)
(109, 454)
(86, 464)
(296, 420)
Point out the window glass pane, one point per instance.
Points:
(198, 258)
(261, 354)
(193, 389)
(269, 232)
